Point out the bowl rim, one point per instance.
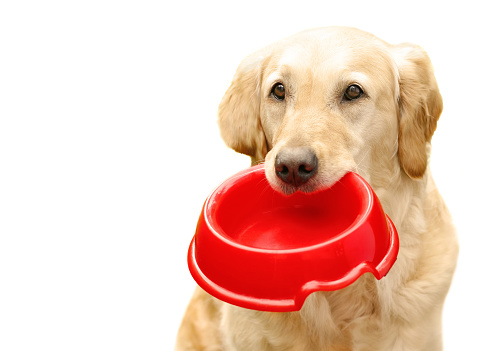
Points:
(358, 221)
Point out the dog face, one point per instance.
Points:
(328, 101)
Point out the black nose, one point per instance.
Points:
(296, 165)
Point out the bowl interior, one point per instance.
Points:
(248, 212)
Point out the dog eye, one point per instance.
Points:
(278, 91)
(353, 92)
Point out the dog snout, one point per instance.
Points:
(296, 165)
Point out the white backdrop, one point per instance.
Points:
(109, 146)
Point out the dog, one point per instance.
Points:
(313, 107)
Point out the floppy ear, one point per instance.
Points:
(239, 110)
(420, 106)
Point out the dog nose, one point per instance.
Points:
(296, 165)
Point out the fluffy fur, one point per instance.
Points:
(384, 136)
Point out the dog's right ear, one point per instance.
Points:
(239, 110)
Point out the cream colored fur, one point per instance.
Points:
(384, 136)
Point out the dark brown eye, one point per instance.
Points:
(278, 91)
(353, 92)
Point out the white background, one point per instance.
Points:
(109, 146)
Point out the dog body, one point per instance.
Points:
(313, 107)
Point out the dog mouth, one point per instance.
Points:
(291, 189)
(299, 169)
(317, 182)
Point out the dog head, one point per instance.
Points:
(327, 101)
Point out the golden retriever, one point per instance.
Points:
(313, 107)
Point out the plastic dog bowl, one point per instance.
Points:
(259, 249)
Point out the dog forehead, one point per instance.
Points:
(302, 65)
(328, 50)
(332, 59)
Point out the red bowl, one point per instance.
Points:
(259, 249)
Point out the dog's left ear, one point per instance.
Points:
(420, 106)
(239, 110)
